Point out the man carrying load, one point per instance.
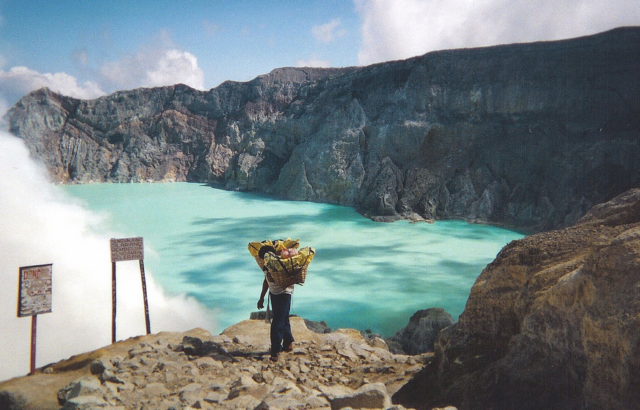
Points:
(283, 266)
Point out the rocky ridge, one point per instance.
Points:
(525, 135)
(552, 323)
(195, 370)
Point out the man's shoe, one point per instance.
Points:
(288, 348)
(274, 358)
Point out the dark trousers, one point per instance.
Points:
(280, 327)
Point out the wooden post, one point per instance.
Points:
(34, 325)
(113, 302)
(144, 297)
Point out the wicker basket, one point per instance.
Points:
(260, 261)
(283, 279)
(255, 248)
(283, 272)
(288, 271)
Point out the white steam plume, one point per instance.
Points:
(40, 224)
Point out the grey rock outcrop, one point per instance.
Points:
(420, 333)
(526, 135)
(552, 323)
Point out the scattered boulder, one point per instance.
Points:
(318, 327)
(420, 334)
(194, 346)
(86, 403)
(11, 400)
(369, 396)
(259, 315)
(89, 386)
(98, 366)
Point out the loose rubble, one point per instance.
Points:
(334, 370)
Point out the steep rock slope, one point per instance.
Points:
(527, 135)
(552, 323)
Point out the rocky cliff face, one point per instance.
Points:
(527, 135)
(552, 323)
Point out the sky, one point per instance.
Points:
(89, 48)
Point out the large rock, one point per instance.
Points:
(370, 396)
(12, 400)
(420, 333)
(528, 135)
(552, 323)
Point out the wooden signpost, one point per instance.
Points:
(127, 249)
(34, 298)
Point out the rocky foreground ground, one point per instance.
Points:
(341, 369)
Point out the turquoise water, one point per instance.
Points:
(365, 275)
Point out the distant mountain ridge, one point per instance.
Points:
(525, 135)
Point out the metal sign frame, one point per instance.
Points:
(127, 249)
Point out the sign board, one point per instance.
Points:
(127, 249)
(34, 293)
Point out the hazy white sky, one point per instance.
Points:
(87, 48)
